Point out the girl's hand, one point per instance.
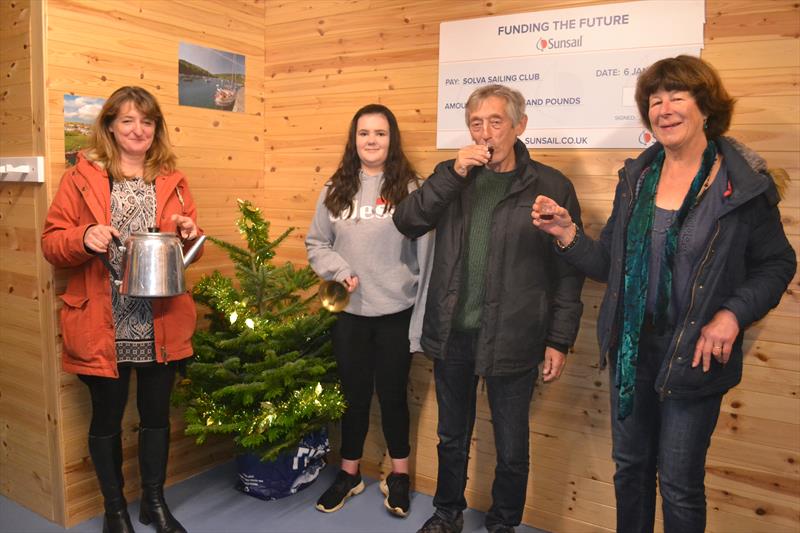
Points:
(351, 283)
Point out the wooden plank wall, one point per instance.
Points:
(30, 457)
(310, 65)
(326, 59)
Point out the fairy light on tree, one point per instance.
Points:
(263, 370)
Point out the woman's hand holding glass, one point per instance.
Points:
(553, 219)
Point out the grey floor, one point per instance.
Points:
(209, 503)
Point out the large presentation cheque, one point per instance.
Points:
(577, 68)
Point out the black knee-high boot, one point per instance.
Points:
(106, 453)
(153, 452)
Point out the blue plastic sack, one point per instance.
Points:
(288, 473)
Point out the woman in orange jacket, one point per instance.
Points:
(124, 182)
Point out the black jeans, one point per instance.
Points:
(110, 395)
(373, 354)
(509, 402)
(670, 437)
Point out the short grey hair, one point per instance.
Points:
(515, 102)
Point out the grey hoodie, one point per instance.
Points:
(392, 270)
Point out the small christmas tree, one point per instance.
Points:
(263, 371)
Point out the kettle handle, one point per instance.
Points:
(104, 258)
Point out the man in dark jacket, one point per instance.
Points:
(500, 299)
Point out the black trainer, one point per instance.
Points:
(395, 487)
(439, 524)
(342, 488)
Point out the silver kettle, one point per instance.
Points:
(153, 265)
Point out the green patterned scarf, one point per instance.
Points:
(637, 262)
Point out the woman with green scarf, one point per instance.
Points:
(694, 252)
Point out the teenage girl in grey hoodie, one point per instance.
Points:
(353, 240)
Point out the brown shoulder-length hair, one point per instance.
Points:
(398, 171)
(692, 74)
(103, 148)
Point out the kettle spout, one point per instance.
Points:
(187, 259)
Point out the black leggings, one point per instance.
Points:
(109, 396)
(372, 353)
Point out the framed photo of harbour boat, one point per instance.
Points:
(210, 78)
(79, 115)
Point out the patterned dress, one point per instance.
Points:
(133, 210)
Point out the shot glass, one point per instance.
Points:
(547, 212)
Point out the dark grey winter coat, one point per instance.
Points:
(746, 266)
(532, 297)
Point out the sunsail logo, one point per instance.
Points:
(544, 43)
(646, 138)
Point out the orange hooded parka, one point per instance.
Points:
(87, 328)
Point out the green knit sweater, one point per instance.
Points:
(490, 188)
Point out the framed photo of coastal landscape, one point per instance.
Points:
(79, 115)
(210, 78)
